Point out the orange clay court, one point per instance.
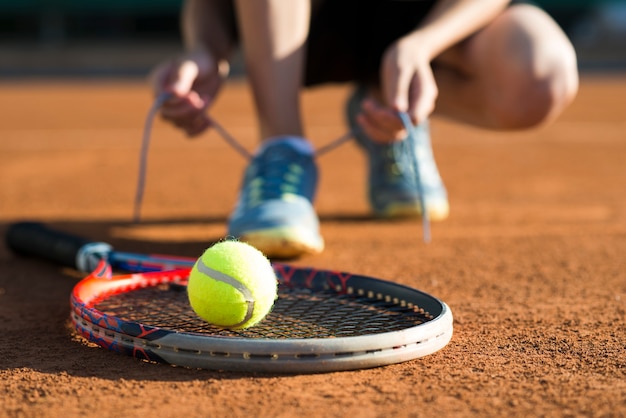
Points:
(532, 260)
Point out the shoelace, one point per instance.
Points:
(163, 97)
(412, 143)
(278, 175)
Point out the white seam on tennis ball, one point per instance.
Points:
(225, 278)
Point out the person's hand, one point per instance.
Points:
(193, 80)
(408, 85)
(407, 79)
(380, 122)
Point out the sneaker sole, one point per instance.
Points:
(284, 243)
(436, 212)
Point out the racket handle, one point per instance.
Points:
(35, 239)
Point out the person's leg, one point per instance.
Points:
(274, 34)
(275, 211)
(518, 72)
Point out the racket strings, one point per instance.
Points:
(298, 313)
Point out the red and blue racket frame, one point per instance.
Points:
(323, 320)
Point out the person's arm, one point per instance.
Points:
(451, 21)
(407, 80)
(206, 27)
(195, 77)
(448, 22)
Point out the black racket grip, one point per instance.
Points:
(36, 240)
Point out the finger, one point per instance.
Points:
(383, 117)
(197, 126)
(188, 116)
(187, 107)
(415, 113)
(396, 90)
(378, 134)
(180, 114)
(192, 126)
(183, 77)
(421, 111)
(422, 98)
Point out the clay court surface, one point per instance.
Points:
(532, 260)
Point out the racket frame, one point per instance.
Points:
(208, 351)
(304, 355)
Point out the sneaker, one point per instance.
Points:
(275, 211)
(393, 191)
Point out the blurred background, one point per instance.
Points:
(128, 37)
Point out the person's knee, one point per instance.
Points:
(536, 100)
(541, 76)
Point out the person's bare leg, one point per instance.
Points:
(275, 210)
(518, 72)
(274, 34)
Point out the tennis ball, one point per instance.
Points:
(233, 285)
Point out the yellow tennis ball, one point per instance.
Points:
(233, 285)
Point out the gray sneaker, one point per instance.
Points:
(393, 191)
(275, 212)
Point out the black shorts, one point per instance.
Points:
(347, 38)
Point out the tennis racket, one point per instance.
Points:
(322, 321)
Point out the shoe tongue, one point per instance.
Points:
(297, 143)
